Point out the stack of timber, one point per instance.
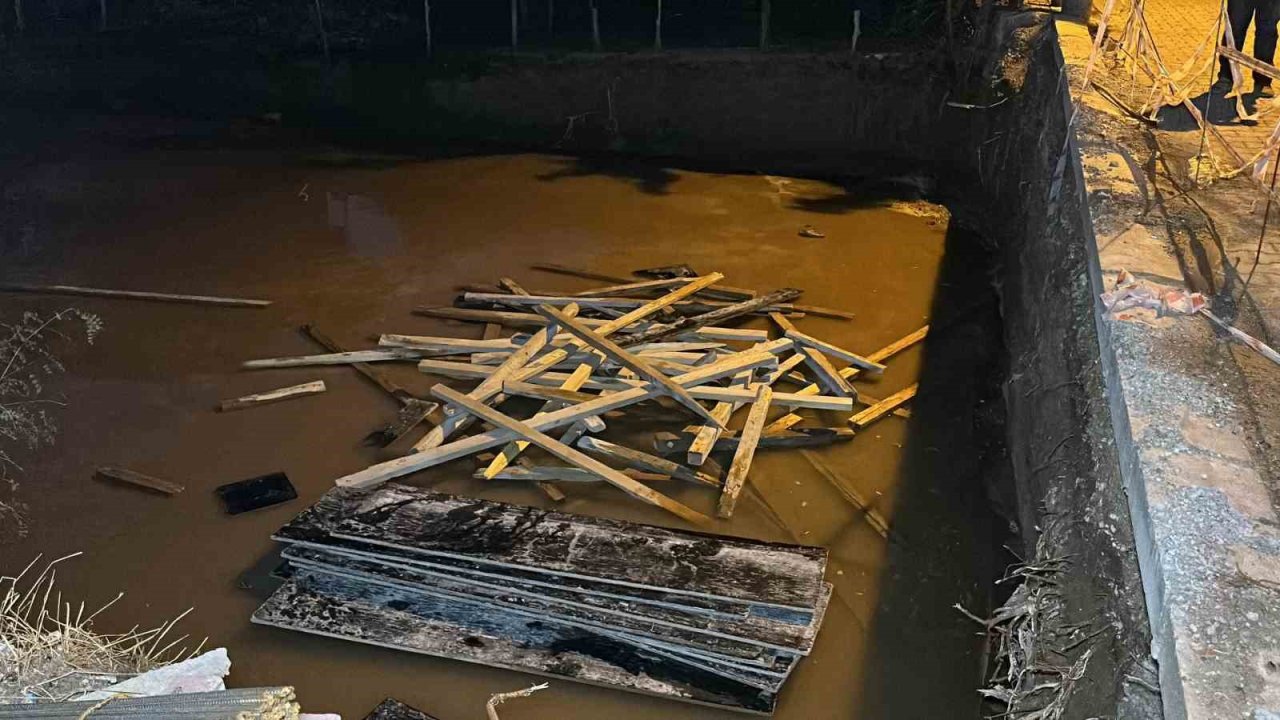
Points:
(677, 614)
(665, 347)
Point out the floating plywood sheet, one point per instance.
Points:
(618, 553)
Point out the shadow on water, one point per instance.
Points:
(861, 193)
(645, 176)
(947, 537)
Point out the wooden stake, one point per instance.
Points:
(515, 25)
(857, 31)
(828, 376)
(645, 461)
(271, 396)
(380, 473)
(746, 451)
(568, 454)
(136, 478)
(882, 408)
(491, 386)
(632, 362)
(133, 295)
(546, 473)
(827, 348)
(850, 373)
(342, 358)
(715, 316)
(708, 434)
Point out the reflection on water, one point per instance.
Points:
(366, 227)
(892, 647)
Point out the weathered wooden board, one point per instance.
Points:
(756, 628)
(131, 477)
(662, 628)
(273, 396)
(503, 576)
(392, 709)
(626, 554)
(882, 408)
(666, 443)
(332, 607)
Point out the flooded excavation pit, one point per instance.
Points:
(906, 508)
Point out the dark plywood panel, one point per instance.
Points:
(530, 538)
(533, 607)
(620, 612)
(362, 612)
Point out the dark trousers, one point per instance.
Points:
(1264, 14)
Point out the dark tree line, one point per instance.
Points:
(532, 24)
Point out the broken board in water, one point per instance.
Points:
(393, 709)
(620, 553)
(336, 607)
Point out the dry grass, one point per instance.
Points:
(49, 650)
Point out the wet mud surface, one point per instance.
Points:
(262, 224)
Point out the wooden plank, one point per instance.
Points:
(618, 324)
(741, 637)
(666, 443)
(560, 608)
(582, 373)
(702, 373)
(624, 554)
(375, 475)
(632, 362)
(882, 408)
(724, 291)
(850, 373)
(707, 435)
(312, 530)
(569, 455)
(716, 394)
(828, 376)
(131, 477)
(827, 348)
(535, 473)
(742, 457)
(645, 461)
(872, 517)
(342, 358)
(133, 295)
(533, 320)
(339, 608)
(491, 387)
(715, 316)
(492, 331)
(633, 288)
(445, 345)
(271, 396)
(723, 410)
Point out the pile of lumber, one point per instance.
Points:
(587, 355)
(676, 614)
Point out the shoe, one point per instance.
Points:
(1265, 91)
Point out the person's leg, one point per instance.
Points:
(1239, 12)
(1264, 38)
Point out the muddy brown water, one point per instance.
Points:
(258, 224)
